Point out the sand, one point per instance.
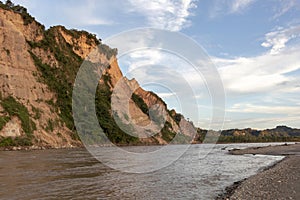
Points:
(280, 181)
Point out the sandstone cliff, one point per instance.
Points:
(37, 71)
(19, 79)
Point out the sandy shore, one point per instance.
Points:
(281, 181)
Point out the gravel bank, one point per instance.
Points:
(286, 149)
(281, 181)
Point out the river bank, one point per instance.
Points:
(280, 181)
(34, 147)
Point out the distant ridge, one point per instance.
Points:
(279, 134)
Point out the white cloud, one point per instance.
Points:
(262, 73)
(146, 57)
(166, 94)
(285, 6)
(227, 7)
(165, 14)
(276, 40)
(271, 109)
(72, 14)
(86, 13)
(170, 64)
(256, 115)
(238, 6)
(266, 86)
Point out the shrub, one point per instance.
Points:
(49, 126)
(3, 121)
(140, 103)
(8, 141)
(167, 135)
(37, 112)
(18, 141)
(27, 18)
(14, 108)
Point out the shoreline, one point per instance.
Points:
(45, 147)
(36, 148)
(280, 180)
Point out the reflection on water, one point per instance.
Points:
(74, 174)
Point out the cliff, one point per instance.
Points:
(37, 72)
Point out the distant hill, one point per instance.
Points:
(278, 134)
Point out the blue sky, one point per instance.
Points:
(255, 46)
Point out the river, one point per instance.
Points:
(75, 174)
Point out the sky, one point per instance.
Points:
(254, 45)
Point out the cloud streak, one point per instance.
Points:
(266, 72)
(277, 40)
(167, 14)
(271, 109)
(75, 13)
(285, 6)
(229, 7)
(238, 6)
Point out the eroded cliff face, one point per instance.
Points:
(158, 133)
(19, 78)
(37, 71)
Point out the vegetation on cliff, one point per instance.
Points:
(106, 120)
(27, 18)
(60, 79)
(13, 108)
